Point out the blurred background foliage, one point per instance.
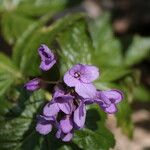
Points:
(76, 37)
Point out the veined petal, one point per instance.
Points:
(45, 52)
(86, 90)
(47, 64)
(51, 109)
(66, 125)
(89, 74)
(80, 115)
(70, 80)
(115, 96)
(66, 107)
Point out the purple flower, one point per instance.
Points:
(47, 57)
(80, 115)
(81, 77)
(33, 85)
(108, 99)
(44, 124)
(61, 101)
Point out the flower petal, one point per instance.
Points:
(43, 128)
(111, 109)
(47, 64)
(51, 109)
(66, 107)
(80, 115)
(67, 137)
(86, 90)
(115, 96)
(70, 80)
(89, 74)
(45, 52)
(66, 125)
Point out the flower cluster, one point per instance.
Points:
(67, 109)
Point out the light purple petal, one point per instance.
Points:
(89, 74)
(43, 128)
(80, 115)
(67, 137)
(111, 109)
(70, 80)
(102, 99)
(66, 107)
(76, 68)
(66, 125)
(47, 64)
(51, 109)
(86, 90)
(45, 52)
(115, 96)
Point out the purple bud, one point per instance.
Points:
(33, 85)
(47, 57)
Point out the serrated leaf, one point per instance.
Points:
(107, 46)
(101, 139)
(76, 46)
(14, 131)
(138, 50)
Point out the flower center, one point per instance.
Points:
(76, 74)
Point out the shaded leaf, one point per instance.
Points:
(101, 139)
(138, 50)
(13, 25)
(124, 119)
(113, 73)
(141, 93)
(107, 47)
(8, 73)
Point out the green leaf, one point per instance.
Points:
(141, 94)
(17, 132)
(76, 46)
(13, 25)
(25, 52)
(124, 119)
(109, 74)
(8, 73)
(40, 7)
(138, 50)
(107, 47)
(101, 139)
